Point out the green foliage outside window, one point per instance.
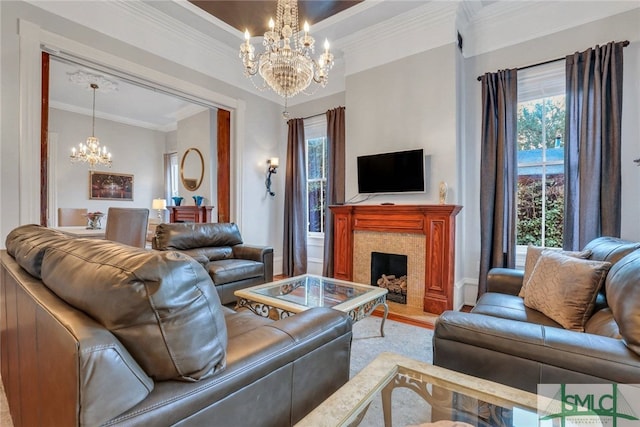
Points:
(540, 211)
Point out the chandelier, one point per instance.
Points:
(286, 65)
(91, 152)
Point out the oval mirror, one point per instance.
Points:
(192, 169)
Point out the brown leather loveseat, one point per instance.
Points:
(99, 333)
(504, 340)
(231, 264)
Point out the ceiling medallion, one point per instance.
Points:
(85, 79)
(286, 65)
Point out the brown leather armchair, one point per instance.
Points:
(231, 264)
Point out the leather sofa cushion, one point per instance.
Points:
(510, 307)
(533, 254)
(184, 236)
(603, 323)
(623, 294)
(610, 249)
(28, 243)
(565, 288)
(204, 255)
(160, 305)
(234, 270)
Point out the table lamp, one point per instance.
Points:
(159, 205)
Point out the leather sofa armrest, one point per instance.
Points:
(262, 254)
(529, 352)
(505, 280)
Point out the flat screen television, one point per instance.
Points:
(397, 172)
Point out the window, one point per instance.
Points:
(171, 175)
(540, 151)
(315, 131)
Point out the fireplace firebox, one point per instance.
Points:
(390, 271)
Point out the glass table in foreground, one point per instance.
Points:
(445, 398)
(283, 298)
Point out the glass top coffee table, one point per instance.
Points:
(434, 396)
(283, 298)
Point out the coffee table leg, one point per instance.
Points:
(384, 316)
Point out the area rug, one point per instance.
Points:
(407, 340)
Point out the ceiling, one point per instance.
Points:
(254, 15)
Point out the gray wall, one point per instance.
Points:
(619, 27)
(137, 151)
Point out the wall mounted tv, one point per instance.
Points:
(397, 172)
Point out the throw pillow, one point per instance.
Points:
(533, 254)
(564, 288)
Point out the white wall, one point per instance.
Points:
(257, 128)
(619, 27)
(199, 131)
(136, 151)
(406, 104)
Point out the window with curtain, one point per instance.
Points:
(315, 131)
(540, 153)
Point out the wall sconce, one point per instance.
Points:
(273, 167)
(159, 205)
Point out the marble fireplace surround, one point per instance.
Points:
(425, 233)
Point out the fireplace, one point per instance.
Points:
(390, 271)
(425, 233)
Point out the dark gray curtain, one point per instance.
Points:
(295, 202)
(592, 149)
(335, 180)
(498, 173)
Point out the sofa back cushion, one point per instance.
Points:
(162, 306)
(623, 295)
(183, 236)
(28, 243)
(610, 249)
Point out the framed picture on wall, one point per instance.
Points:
(110, 186)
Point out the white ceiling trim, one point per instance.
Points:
(418, 30)
(157, 33)
(111, 117)
(504, 24)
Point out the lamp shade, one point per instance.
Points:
(273, 162)
(159, 204)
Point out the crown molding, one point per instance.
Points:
(140, 25)
(505, 23)
(112, 117)
(415, 31)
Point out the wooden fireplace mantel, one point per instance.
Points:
(435, 222)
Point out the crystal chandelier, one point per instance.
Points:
(91, 152)
(286, 65)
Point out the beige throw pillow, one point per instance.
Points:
(533, 253)
(564, 288)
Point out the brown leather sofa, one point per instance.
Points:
(231, 264)
(505, 341)
(99, 333)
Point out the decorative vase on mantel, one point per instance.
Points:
(94, 220)
(198, 200)
(177, 200)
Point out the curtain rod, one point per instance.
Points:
(624, 44)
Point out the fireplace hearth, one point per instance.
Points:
(390, 271)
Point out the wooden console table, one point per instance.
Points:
(190, 213)
(435, 222)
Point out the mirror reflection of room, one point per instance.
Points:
(145, 129)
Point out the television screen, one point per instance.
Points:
(398, 172)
